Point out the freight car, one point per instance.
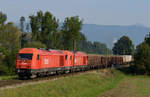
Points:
(104, 61)
(32, 62)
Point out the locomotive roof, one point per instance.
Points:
(50, 51)
(41, 51)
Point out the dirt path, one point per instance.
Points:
(130, 87)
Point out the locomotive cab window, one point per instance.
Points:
(66, 57)
(25, 56)
(37, 57)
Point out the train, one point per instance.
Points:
(35, 62)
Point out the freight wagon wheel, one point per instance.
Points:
(58, 72)
(32, 76)
(21, 77)
(39, 75)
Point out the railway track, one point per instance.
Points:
(4, 84)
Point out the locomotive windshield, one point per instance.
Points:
(25, 56)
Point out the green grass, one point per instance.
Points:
(84, 85)
(7, 77)
(130, 86)
(141, 85)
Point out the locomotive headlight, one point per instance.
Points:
(18, 70)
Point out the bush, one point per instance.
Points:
(142, 59)
(7, 61)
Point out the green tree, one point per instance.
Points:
(22, 20)
(71, 32)
(147, 39)
(10, 37)
(3, 67)
(49, 30)
(10, 42)
(28, 27)
(142, 58)
(35, 28)
(100, 48)
(3, 18)
(94, 47)
(25, 38)
(123, 46)
(44, 28)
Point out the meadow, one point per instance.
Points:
(102, 83)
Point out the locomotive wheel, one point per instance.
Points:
(67, 71)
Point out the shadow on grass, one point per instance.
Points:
(129, 70)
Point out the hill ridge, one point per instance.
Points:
(111, 33)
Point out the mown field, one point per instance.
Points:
(104, 83)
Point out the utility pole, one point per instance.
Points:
(74, 52)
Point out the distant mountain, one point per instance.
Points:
(109, 34)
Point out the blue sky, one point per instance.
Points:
(104, 12)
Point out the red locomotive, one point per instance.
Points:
(33, 62)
